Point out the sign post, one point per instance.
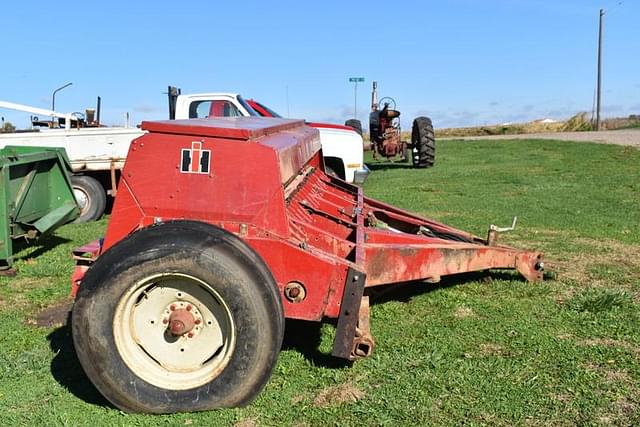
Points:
(355, 80)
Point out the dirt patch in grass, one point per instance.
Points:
(463, 312)
(54, 315)
(489, 349)
(247, 422)
(599, 252)
(619, 413)
(623, 405)
(585, 253)
(580, 261)
(564, 398)
(565, 336)
(14, 293)
(15, 290)
(337, 395)
(611, 375)
(608, 342)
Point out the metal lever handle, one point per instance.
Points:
(494, 230)
(503, 229)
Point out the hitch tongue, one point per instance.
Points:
(494, 231)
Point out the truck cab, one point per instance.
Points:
(205, 105)
(342, 147)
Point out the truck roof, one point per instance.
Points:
(224, 127)
(193, 95)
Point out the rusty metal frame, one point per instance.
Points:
(343, 345)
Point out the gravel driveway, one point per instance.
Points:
(629, 137)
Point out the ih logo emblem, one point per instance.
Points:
(195, 159)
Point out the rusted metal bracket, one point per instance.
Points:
(363, 342)
(343, 345)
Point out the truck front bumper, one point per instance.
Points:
(360, 175)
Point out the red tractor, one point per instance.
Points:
(385, 133)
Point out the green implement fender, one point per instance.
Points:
(35, 195)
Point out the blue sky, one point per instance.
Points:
(461, 62)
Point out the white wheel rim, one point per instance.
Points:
(148, 347)
(82, 199)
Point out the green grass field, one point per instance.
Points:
(477, 350)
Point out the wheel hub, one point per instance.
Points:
(181, 322)
(81, 198)
(174, 330)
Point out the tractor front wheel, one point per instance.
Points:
(355, 124)
(181, 316)
(423, 143)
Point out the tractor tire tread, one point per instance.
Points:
(423, 140)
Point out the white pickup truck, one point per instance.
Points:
(97, 154)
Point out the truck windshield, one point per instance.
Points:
(267, 109)
(247, 107)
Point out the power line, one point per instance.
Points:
(611, 9)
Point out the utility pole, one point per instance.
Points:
(599, 89)
(355, 80)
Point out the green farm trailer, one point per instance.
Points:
(36, 195)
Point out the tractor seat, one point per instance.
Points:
(390, 114)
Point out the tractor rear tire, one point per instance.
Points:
(423, 142)
(355, 124)
(90, 196)
(139, 352)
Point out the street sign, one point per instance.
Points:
(355, 80)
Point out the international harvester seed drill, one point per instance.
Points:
(221, 229)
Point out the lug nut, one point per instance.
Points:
(165, 321)
(189, 307)
(190, 334)
(197, 321)
(172, 307)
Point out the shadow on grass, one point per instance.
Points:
(43, 244)
(405, 292)
(375, 166)
(66, 368)
(305, 337)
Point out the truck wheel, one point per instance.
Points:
(424, 143)
(181, 316)
(90, 196)
(355, 124)
(333, 166)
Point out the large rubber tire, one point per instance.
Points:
(424, 143)
(355, 124)
(329, 171)
(333, 166)
(194, 263)
(90, 196)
